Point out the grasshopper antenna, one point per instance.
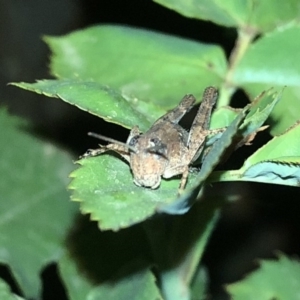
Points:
(110, 140)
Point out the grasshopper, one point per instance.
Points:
(166, 149)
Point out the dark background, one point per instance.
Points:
(263, 221)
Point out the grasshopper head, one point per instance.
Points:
(147, 161)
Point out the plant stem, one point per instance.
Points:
(244, 39)
(177, 245)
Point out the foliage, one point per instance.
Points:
(35, 212)
(267, 282)
(132, 76)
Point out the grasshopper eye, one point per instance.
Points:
(133, 140)
(157, 147)
(155, 142)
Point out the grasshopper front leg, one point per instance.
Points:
(121, 150)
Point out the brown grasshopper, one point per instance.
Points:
(166, 149)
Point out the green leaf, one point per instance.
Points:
(284, 145)
(258, 70)
(273, 280)
(137, 89)
(260, 110)
(95, 98)
(286, 112)
(76, 282)
(105, 189)
(134, 282)
(284, 171)
(35, 209)
(5, 293)
(277, 162)
(142, 65)
(259, 15)
(258, 66)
